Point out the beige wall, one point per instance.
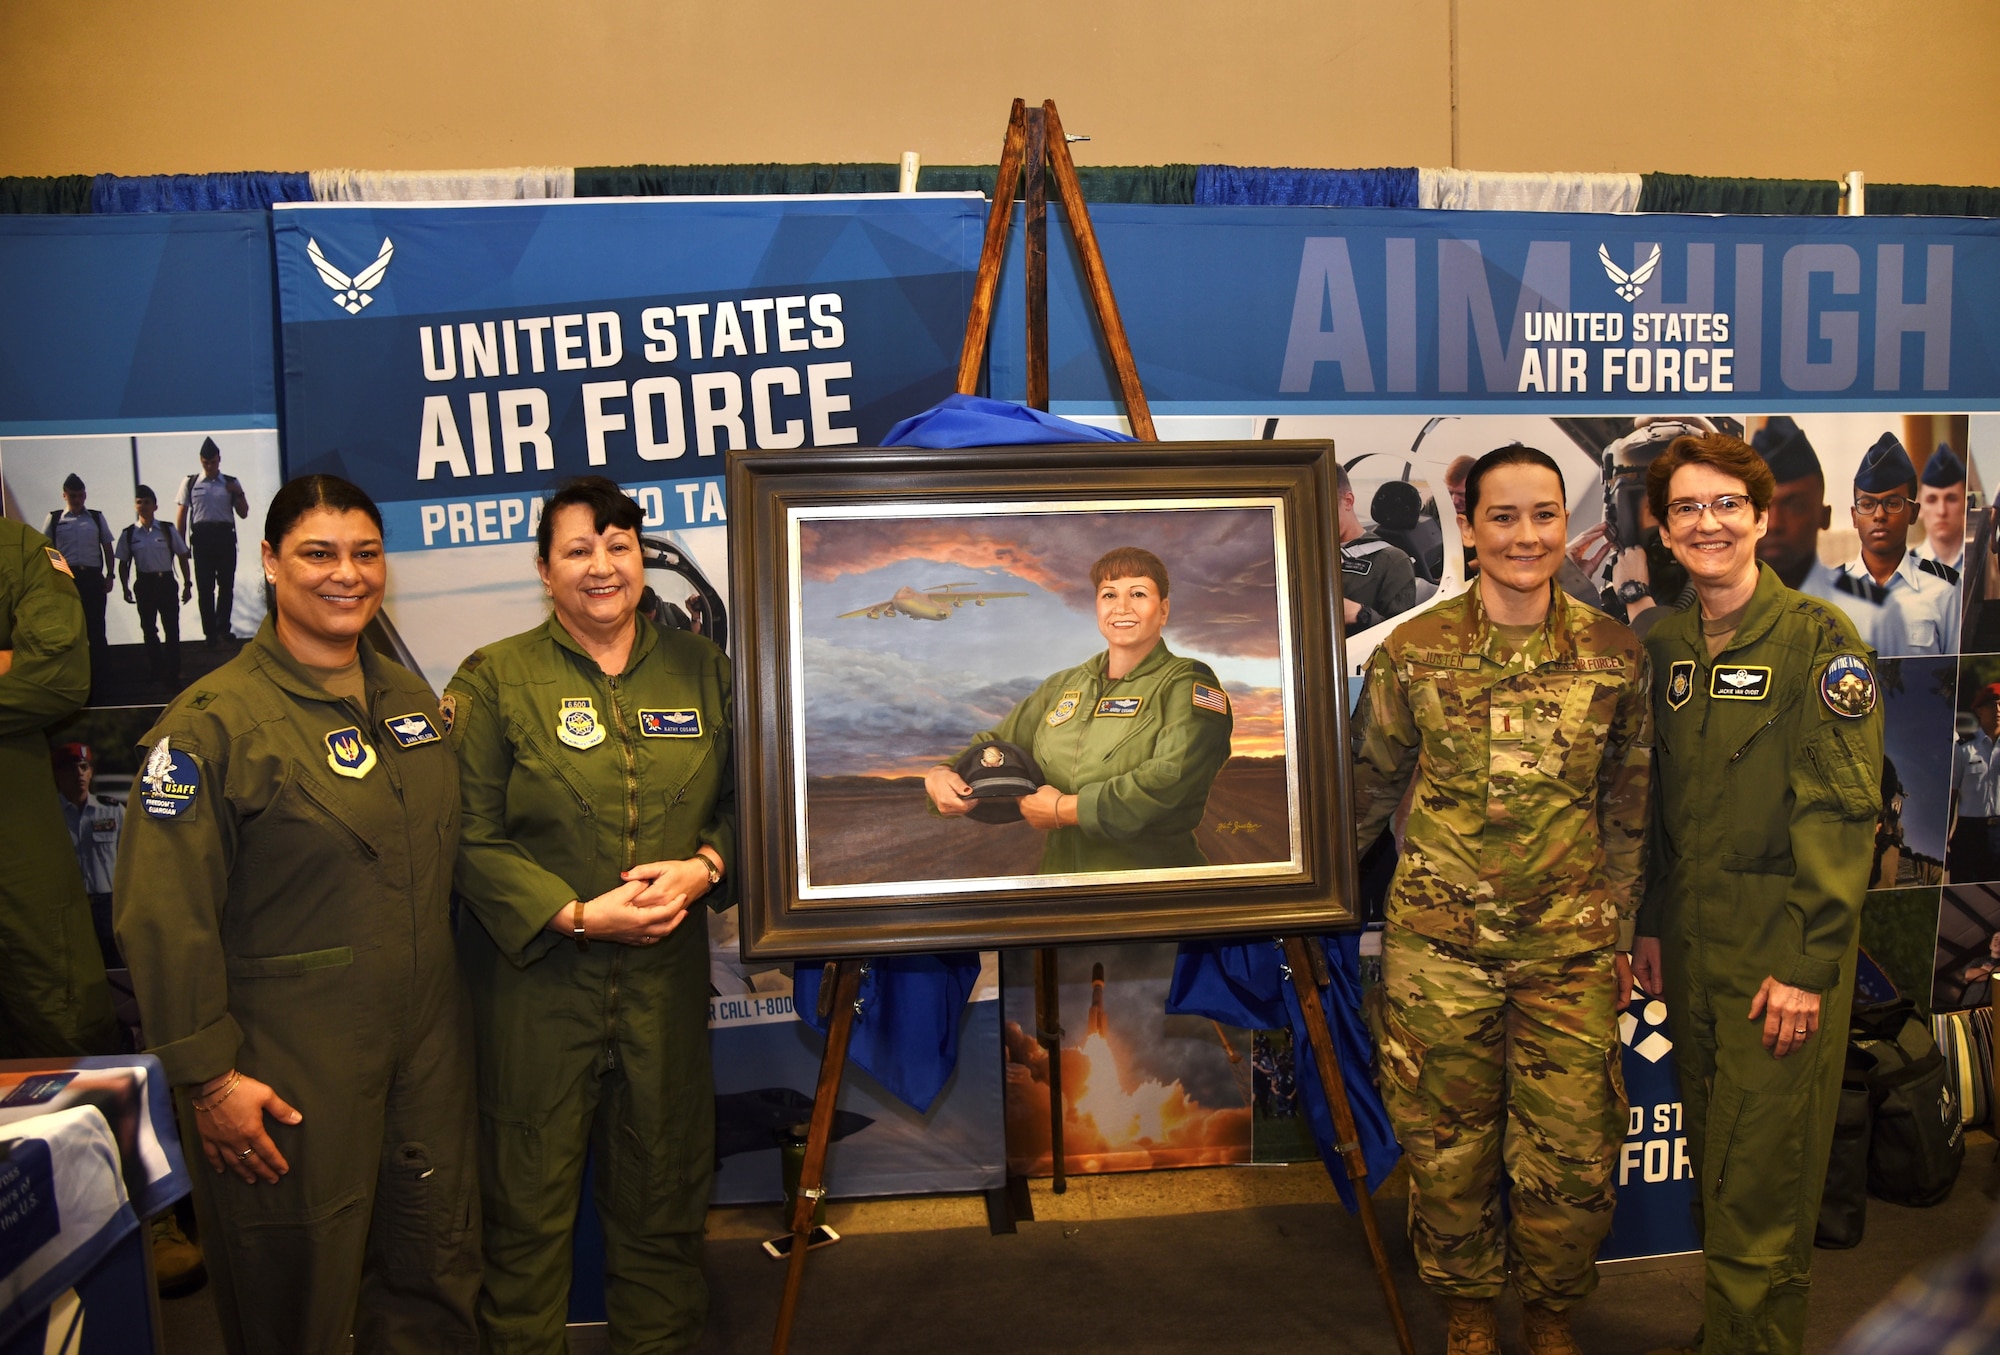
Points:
(1801, 88)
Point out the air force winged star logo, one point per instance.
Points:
(1627, 285)
(351, 293)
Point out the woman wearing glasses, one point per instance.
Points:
(1768, 745)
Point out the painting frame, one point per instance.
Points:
(770, 493)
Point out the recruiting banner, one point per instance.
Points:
(1324, 310)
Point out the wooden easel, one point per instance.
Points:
(1035, 139)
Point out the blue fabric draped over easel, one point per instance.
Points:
(1247, 984)
(906, 1031)
(1242, 186)
(250, 191)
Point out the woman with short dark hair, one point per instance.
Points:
(283, 897)
(599, 809)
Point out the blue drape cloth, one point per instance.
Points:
(906, 1030)
(906, 1033)
(250, 191)
(1246, 984)
(1245, 186)
(975, 421)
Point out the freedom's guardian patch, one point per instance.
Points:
(168, 783)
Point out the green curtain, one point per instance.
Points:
(1746, 197)
(63, 194)
(1931, 199)
(678, 181)
(1100, 183)
(1172, 184)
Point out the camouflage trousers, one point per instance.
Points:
(1491, 1066)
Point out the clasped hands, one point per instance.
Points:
(650, 903)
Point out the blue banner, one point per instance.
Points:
(449, 357)
(1362, 310)
(133, 324)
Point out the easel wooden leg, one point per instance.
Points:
(846, 986)
(993, 253)
(1035, 259)
(1308, 966)
(1048, 1030)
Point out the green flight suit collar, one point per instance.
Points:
(1552, 643)
(1767, 605)
(1159, 657)
(292, 676)
(642, 642)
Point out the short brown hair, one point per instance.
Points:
(1129, 562)
(1731, 456)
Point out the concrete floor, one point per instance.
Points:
(1194, 1261)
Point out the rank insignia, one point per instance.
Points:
(1848, 686)
(349, 754)
(670, 724)
(1680, 683)
(412, 729)
(1740, 682)
(448, 709)
(168, 782)
(1120, 707)
(1208, 698)
(1064, 709)
(1509, 722)
(577, 723)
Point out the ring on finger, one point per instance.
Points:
(246, 1154)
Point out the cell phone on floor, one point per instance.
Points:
(781, 1246)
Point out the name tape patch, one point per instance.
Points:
(412, 729)
(1740, 682)
(1120, 707)
(670, 724)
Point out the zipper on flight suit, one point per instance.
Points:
(1754, 736)
(631, 855)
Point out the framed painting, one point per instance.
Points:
(1027, 696)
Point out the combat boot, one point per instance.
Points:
(177, 1264)
(1474, 1330)
(1546, 1331)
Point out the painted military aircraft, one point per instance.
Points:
(935, 603)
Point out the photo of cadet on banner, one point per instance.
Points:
(160, 532)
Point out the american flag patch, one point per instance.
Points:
(1208, 698)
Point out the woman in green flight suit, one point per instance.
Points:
(599, 807)
(283, 897)
(1129, 742)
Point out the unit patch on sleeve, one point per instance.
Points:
(168, 782)
(1680, 683)
(670, 724)
(56, 559)
(1064, 709)
(1848, 686)
(413, 729)
(1208, 698)
(448, 709)
(1122, 707)
(1739, 682)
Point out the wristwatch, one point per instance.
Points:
(714, 871)
(1632, 591)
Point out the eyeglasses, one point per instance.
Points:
(1890, 504)
(1726, 507)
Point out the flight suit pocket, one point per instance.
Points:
(288, 966)
(421, 1219)
(1839, 776)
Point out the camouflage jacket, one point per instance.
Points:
(1527, 829)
